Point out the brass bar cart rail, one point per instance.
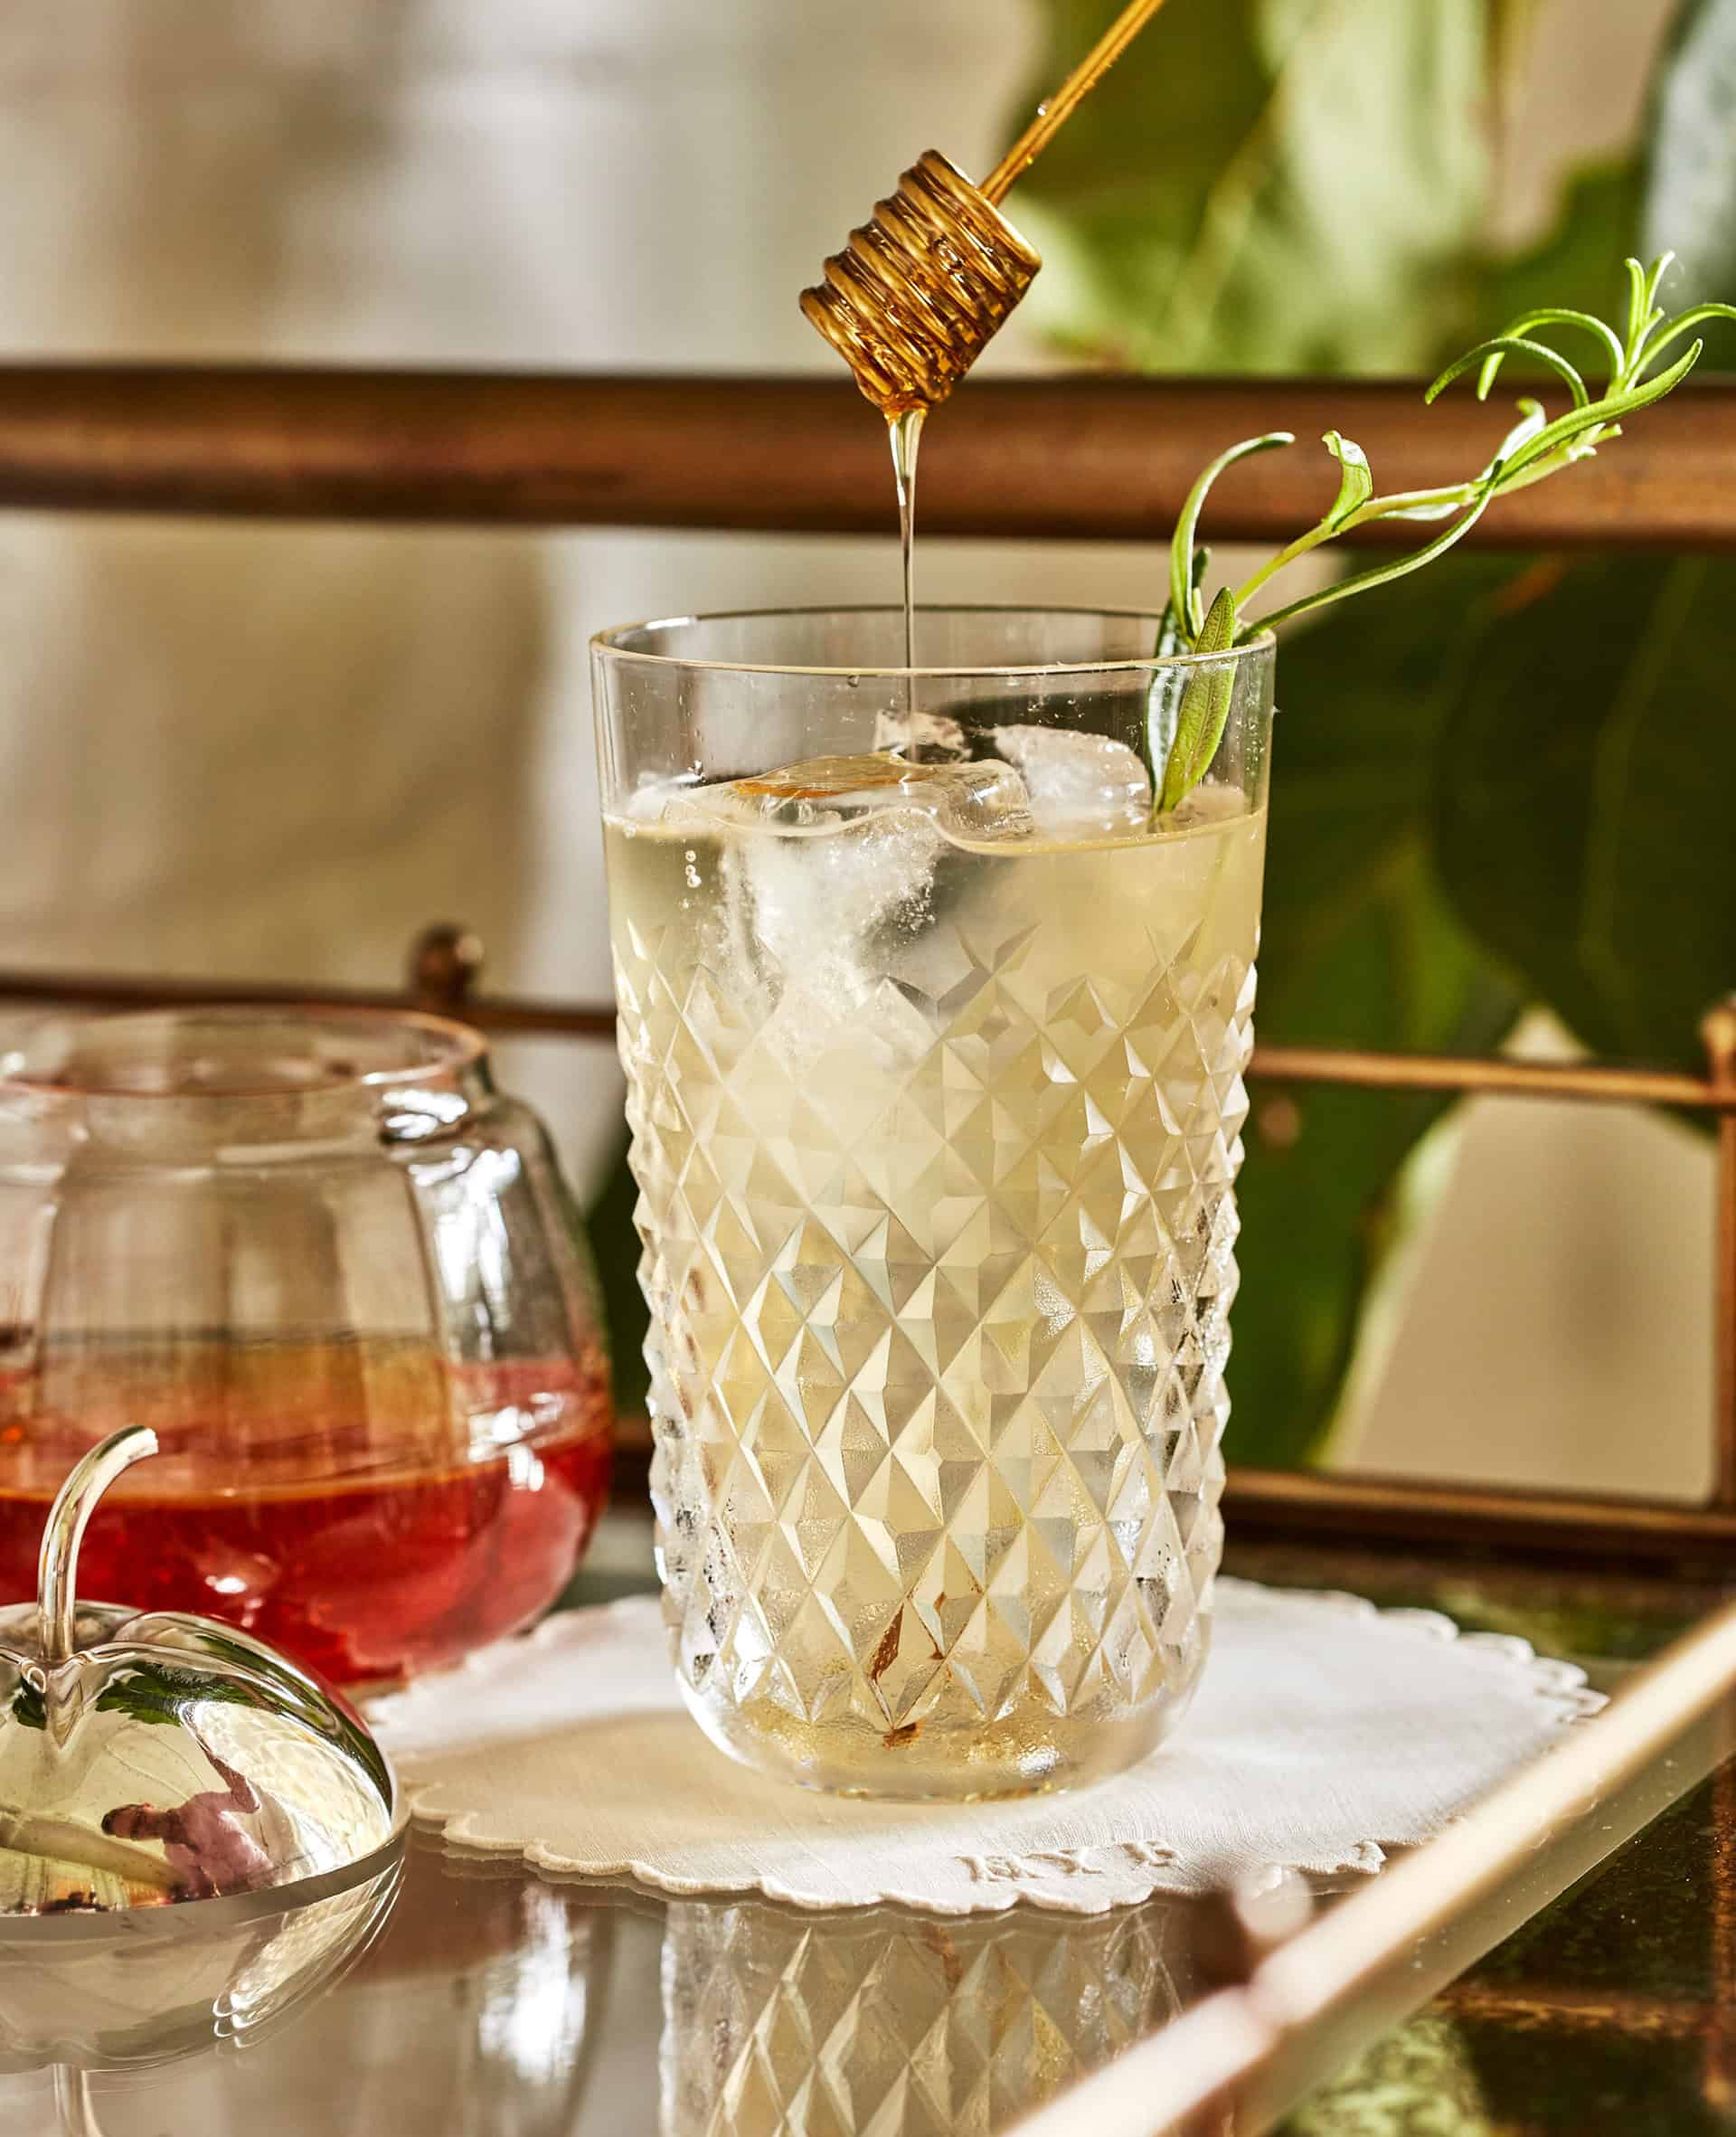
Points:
(1085, 459)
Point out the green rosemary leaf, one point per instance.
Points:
(1185, 598)
(1488, 353)
(1164, 699)
(1533, 416)
(1173, 635)
(1639, 306)
(1382, 574)
(1673, 329)
(1205, 705)
(1356, 482)
(1533, 449)
(1611, 409)
(1608, 339)
(1421, 505)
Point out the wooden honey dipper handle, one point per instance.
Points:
(1054, 115)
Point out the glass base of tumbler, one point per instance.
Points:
(1032, 1750)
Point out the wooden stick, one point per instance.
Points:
(1054, 115)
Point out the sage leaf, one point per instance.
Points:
(1205, 705)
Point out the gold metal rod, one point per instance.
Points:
(1089, 457)
(502, 1015)
(1593, 1082)
(1543, 2007)
(1719, 1032)
(1337, 1509)
(1054, 115)
(1239, 2059)
(1718, 2065)
(1609, 1083)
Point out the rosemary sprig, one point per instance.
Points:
(1532, 450)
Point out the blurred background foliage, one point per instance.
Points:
(1505, 783)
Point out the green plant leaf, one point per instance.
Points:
(1607, 340)
(1691, 174)
(1672, 330)
(1583, 816)
(1195, 212)
(1488, 356)
(1614, 408)
(1164, 700)
(1356, 482)
(1534, 450)
(1383, 574)
(1184, 588)
(1205, 705)
(1532, 417)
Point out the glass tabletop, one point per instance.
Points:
(486, 2002)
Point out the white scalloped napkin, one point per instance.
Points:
(1324, 1732)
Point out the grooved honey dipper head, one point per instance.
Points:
(913, 299)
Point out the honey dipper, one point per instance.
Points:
(916, 295)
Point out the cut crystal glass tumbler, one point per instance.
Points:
(935, 1039)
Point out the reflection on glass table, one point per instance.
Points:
(128, 1992)
(899, 2024)
(494, 2003)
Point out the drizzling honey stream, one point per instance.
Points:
(922, 287)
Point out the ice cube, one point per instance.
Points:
(1079, 784)
(652, 800)
(817, 911)
(827, 881)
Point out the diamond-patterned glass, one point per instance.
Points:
(938, 1231)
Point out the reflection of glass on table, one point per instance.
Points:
(887, 2024)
